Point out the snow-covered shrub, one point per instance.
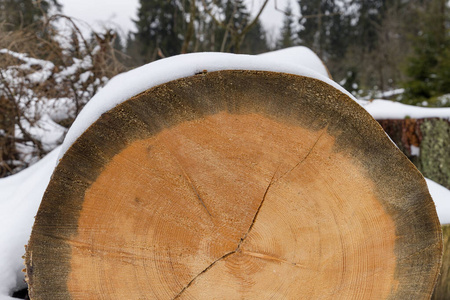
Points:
(47, 74)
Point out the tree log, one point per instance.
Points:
(442, 290)
(235, 185)
(431, 137)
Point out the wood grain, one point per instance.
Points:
(235, 185)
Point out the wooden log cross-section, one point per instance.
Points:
(235, 185)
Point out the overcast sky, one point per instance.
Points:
(118, 13)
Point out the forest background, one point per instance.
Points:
(49, 68)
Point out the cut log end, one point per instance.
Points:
(231, 185)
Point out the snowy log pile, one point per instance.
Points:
(426, 142)
(232, 176)
(423, 135)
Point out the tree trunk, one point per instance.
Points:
(431, 139)
(235, 185)
(426, 142)
(442, 290)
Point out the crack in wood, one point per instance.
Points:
(306, 156)
(241, 241)
(238, 248)
(257, 211)
(272, 258)
(189, 180)
(201, 273)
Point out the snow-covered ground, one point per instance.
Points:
(386, 109)
(20, 194)
(39, 112)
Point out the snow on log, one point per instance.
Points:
(243, 181)
(301, 56)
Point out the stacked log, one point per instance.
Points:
(235, 185)
(426, 142)
(442, 290)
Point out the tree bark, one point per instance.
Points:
(235, 185)
(442, 290)
(426, 142)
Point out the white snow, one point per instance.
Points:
(444, 99)
(441, 197)
(385, 109)
(40, 113)
(126, 85)
(299, 55)
(415, 151)
(77, 65)
(295, 60)
(20, 196)
(29, 62)
(383, 94)
(49, 133)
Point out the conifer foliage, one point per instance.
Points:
(166, 28)
(428, 66)
(15, 14)
(159, 32)
(287, 35)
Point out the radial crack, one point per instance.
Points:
(257, 211)
(188, 178)
(305, 157)
(272, 258)
(201, 273)
(239, 244)
(195, 190)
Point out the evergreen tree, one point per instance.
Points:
(159, 33)
(370, 16)
(236, 17)
(287, 34)
(429, 66)
(255, 40)
(314, 33)
(234, 30)
(326, 28)
(16, 14)
(352, 39)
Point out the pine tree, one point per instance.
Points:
(255, 40)
(234, 30)
(429, 66)
(313, 34)
(325, 27)
(236, 17)
(16, 14)
(159, 33)
(287, 34)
